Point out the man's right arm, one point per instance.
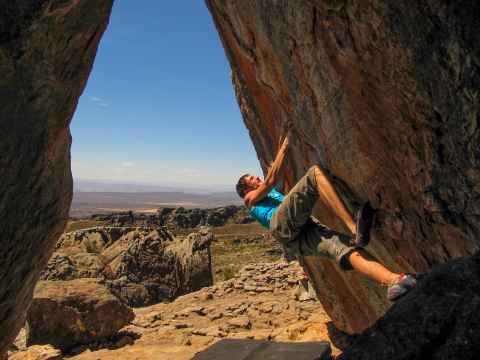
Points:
(272, 176)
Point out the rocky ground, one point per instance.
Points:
(235, 243)
(255, 294)
(262, 301)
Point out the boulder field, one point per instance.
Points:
(263, 301)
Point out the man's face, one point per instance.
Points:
(253, 182)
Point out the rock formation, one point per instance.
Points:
(179, 218)
(384, 96)
(47, 49)
(140, 265)
(439, 319)
(69, 313)
(150, 270)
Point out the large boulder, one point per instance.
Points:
(37, 352)
(68, 313)
(384, 96)
(151, 269)
(64, 266)
(141, 265)
(439, 319)
(47, 49)
(78, 253)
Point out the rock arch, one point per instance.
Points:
(385, 94)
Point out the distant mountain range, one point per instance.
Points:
(91, 197)
(82, 185)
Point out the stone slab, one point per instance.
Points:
(240, 349)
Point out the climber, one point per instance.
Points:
(290, 222)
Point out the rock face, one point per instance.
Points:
(440, 319)
(151, 270)
(141, 265)
(46, 52)
(384, 95)
(69, 313)
(180, 218)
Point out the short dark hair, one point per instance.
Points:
(242, 185)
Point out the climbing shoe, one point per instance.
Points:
(400, 287)
(364, 224)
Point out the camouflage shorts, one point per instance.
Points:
(294, 227)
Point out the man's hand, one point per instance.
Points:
(252, 197)
(249, 199)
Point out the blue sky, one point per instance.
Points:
(159, 106)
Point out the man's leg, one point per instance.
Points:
(367, 265)
(330, 197)
(296, 209)
(318, 240)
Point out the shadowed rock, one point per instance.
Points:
(47, 49)
(439, 319)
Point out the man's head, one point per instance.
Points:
(247, 183)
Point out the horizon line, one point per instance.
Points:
(147, 183)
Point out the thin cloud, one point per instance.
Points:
(128, 164)
(99, 101)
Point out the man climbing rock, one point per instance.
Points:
(289, 219)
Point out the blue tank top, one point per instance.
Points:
(264, 209)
